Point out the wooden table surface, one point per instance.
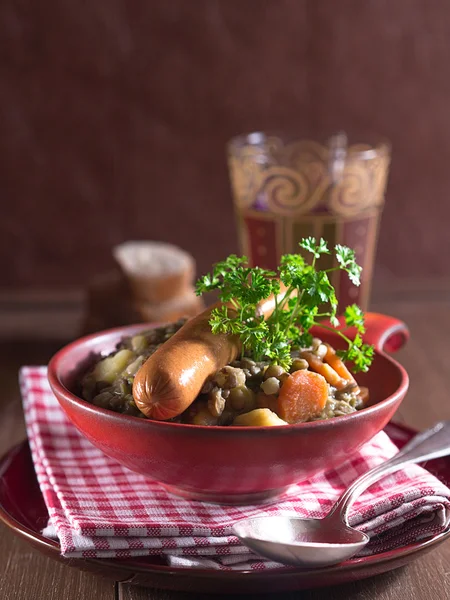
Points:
(26, 574)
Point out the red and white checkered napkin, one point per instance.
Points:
(99, 509)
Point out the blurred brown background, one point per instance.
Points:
(114, 116)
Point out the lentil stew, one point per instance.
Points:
(244, 392)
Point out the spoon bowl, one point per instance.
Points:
(301, 542)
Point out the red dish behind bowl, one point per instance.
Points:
(232, 464)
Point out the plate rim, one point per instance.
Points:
(133, 566)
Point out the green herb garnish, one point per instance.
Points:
(309, 299)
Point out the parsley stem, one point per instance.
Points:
(347, 339)
(235, 304)
(286, 297)
(295, 309)
(243, 346)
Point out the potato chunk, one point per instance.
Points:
(111, 367)
(260, 417)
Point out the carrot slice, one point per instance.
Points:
(317, 365)
(364, 395)
(302, 396)
(335, 362)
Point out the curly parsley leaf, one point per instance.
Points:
(347, 261)
(354, 317)
(207, 283)
(291, 268)
(360, 354)
(309, 298)
(317, 249)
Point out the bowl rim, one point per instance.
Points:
(60, 390)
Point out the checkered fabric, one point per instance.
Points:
(97, 508)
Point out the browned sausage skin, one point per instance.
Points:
(170, 380)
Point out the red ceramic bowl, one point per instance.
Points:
(232, 464)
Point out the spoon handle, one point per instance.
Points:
(429, 444)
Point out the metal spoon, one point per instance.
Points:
(328, 541)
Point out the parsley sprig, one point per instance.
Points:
(309, 299)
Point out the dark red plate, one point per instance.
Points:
(22, 509)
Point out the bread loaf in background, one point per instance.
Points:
(156, 272)
(154, 282)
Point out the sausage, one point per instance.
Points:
(170, 380)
